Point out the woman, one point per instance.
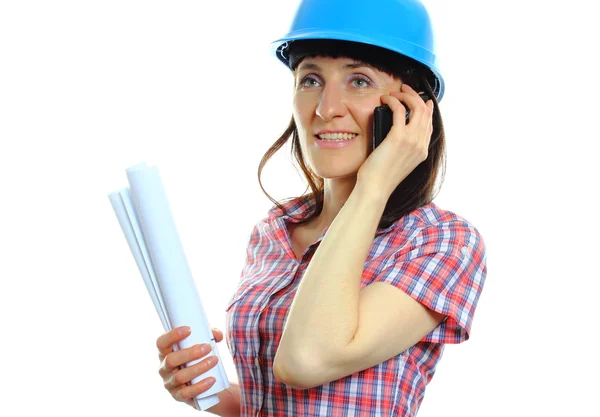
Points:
(350, 292)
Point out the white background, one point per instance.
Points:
(89, 88)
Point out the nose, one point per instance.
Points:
(332, 103)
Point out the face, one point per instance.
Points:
(334, 99)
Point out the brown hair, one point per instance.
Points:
(419, 187)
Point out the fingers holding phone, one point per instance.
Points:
(407, 144)
(390, 113)
(419, 104)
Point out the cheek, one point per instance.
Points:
(363, 115)
(302, 112)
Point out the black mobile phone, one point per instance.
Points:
(382, 121)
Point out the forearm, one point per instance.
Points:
(229, 402)
(323, 318)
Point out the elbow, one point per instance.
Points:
(297, 372)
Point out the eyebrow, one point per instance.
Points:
(354, 65)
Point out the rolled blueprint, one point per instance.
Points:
(149, 228)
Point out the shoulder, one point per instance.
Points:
(433, 229)
(439, 259)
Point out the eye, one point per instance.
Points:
(308, 81)
(360, 81)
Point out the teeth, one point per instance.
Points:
(337, 137)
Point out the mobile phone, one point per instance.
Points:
(382, 121)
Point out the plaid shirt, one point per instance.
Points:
(432, 255)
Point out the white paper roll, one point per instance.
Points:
(147, 222)
(121, 202)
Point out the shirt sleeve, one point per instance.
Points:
(444, 268)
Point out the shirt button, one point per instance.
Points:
(464, 251)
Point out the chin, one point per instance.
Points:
(336, 169)
(331, 173)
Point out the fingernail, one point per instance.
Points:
(184, 330)
(205, 349)
(210, 381)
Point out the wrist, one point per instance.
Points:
(376, 195)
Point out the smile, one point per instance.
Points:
(335, 140)
(336, 137)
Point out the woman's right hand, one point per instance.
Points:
(174, 378)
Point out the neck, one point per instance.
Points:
(336, 193)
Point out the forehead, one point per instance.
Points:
(328, 63)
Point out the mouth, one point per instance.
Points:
(335, 140)
(336, 136)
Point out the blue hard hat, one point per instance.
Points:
(402, 26)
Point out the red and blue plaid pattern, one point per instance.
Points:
(432, 255)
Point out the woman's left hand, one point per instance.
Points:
(405, 146)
